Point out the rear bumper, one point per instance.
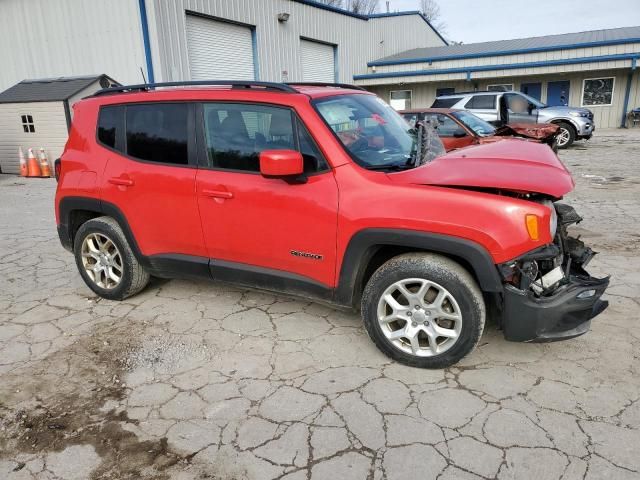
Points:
(565, 314)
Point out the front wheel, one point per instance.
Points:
(105, 260)
(423, 310)
(566, 135)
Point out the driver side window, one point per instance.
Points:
(444, 125)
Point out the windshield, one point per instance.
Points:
(537, 103)
(479, 126)
(373, 133)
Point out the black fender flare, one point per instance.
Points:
(365, 243)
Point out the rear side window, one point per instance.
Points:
(445, 102)
(109, 123)
(481, 102)
(158, 132)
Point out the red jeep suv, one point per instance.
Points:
(324, 191)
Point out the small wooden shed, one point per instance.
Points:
(37, 113)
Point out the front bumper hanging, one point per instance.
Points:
(548, 295)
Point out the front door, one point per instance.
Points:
(450, 132)
(257, 228)
(519, 109)
(151, 173)
(558, 93)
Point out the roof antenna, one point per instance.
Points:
(144, 80)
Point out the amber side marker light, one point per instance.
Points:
(531, 221)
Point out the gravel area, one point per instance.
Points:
(197, 380)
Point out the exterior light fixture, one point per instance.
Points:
(283, 17)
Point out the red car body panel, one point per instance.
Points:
(258, 220)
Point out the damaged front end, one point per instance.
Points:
(548, 294)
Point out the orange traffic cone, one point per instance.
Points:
(33, 168)
(23, 162)
(44, 164)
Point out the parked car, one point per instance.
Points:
(459, 128)
(325, 191)
(501, 108)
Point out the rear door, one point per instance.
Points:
(150, 175)
(484, 106)
(257, 227)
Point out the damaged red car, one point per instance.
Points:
(459, 128)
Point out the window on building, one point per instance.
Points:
(400, 99)
(157, 132)
(481, 102)
(109, 124)
(237, 133)
(597, 91)
(500, 87)
(27, 124)
(445, 91)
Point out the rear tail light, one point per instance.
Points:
(57, 168)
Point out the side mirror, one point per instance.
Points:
(459, 133)
(281, 163)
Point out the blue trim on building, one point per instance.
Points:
(145, 38)
(503, 66)
(411, 12)
(254, 47)
(324, 6)
(498, 53)
(627, 92)
(336, 68)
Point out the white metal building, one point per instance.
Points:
(273, 40)
(596, 69)
(38, 113)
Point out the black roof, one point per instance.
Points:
(50, 89)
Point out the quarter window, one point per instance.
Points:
(158, 132)
(235, 135)
(597, 91)
(109, 122)
(27, 124)
(445, 102)
(481, 102)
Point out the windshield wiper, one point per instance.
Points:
(393, 167)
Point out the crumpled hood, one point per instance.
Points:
(510, 164)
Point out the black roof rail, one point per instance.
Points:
(281, 87)
(325, 84)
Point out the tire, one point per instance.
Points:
(120, 259)
(431, 277)
(566, 135)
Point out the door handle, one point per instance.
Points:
(217, 194)
(122, 181)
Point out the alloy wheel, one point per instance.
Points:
(563, 137)
(102, 261)
(419, 317)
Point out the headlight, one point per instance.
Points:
(579, 114)
(553, 223)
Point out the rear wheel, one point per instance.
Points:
(423, 310)
(105, 260)
(566, 135)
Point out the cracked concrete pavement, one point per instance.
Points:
(194, 380)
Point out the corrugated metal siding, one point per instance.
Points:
(219, 50)
(317, 61)
(42, 38)
(278, 45)
(50, 131)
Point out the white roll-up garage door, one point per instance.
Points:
(318, 63)
(219, 50)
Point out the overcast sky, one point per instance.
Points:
(472, 21)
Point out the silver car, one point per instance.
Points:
(500, 108)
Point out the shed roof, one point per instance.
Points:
(49, 89)
(592, 38)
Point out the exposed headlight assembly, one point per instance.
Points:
(579, 114)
